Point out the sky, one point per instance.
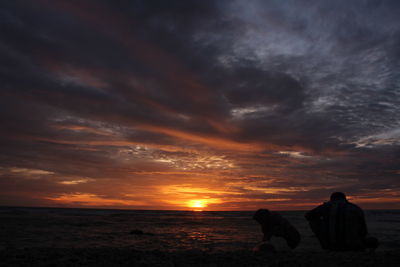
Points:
(212, 105)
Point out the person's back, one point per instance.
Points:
(339, 224)
(347, 229)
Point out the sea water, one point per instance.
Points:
(209, 231)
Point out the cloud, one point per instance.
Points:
(268, 100)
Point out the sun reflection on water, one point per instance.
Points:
(200, 236)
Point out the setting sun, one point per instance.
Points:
(197, 204)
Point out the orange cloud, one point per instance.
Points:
(94, 200)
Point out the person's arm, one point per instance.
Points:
(363, 225)
(267, 231)
(272, 225)
(315, 213)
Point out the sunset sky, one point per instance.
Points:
(212, 105)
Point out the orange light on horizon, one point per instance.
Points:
(92, 200)
(197, 204)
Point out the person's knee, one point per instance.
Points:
(371, 242)
(293, 243)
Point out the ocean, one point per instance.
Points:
(208, 231)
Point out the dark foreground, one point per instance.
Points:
(129, 257)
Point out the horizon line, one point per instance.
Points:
(130, 209)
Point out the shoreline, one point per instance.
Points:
(114, 256)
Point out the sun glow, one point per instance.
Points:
(197, 204)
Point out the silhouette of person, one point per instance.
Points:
(273, 224)
(340, 225)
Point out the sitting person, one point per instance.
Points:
(340, 225)
(273, 224)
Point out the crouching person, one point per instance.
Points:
(273, 224)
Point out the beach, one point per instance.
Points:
(129, 257)
(82, 237)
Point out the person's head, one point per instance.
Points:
(338, 196)
(261, 215)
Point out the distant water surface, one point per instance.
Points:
(164, 230)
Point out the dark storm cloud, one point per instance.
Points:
(254, 87)
(302, 92)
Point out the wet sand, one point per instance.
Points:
(130, 257)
